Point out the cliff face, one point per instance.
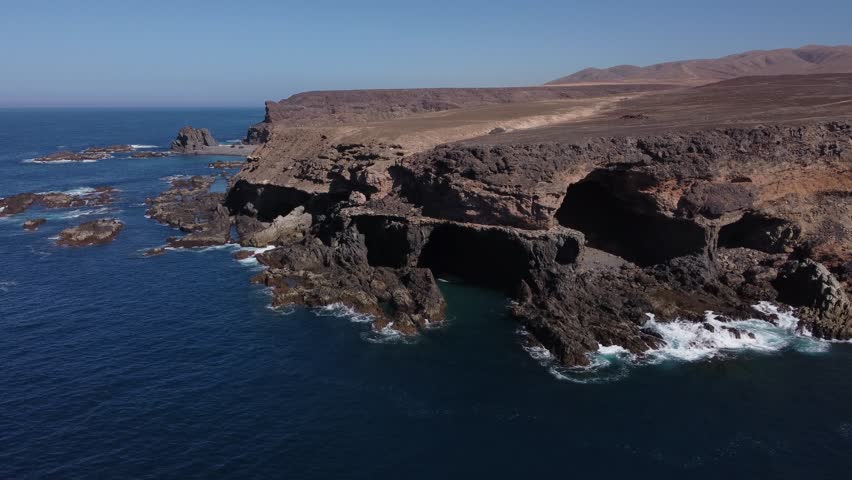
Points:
(587, 238)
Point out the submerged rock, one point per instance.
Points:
(34, 223)
(97, 232)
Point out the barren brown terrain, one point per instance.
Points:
(810, 59)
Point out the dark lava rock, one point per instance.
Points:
(220, 164)
(97, 232)
(243, 254)
(149, 154)
(19, 203)
(34, 223)
(153, 252)
(191, 139)
(823, 305)
(189, 206)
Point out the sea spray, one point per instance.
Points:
(686, 341)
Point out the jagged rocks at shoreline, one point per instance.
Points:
(97, 232)
(189, 206)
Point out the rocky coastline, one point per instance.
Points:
(588, 237)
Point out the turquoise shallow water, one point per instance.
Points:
(119, 366)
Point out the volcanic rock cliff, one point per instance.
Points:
(586, 236)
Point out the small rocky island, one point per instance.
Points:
(97, 232)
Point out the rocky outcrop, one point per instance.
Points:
(89, 154)
(191, 140)
(97, 232)
(283, 229)
(189, 206)
(21, 202)
(825, 307)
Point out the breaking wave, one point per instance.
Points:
(6, 286)
(686, 341)
(50, 162)
(143, 147)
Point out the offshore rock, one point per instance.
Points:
(97, 232)
(34, 223)
(191, 139)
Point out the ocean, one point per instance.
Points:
(116, 365)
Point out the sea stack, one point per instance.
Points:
(190, 140)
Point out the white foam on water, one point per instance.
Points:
(49, 162)
(6, 286)
(211, 248)
(252, 261)
(83, 213)
(77, 192)
(687, 341)
(691, 341)
(340, 310)
(143, 147)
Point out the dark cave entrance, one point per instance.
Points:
(387, 241)
(757, 232)
(267, 201)
(488, 257)
(627, 228)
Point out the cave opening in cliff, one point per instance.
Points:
(387, 241)
(487, 257)
(757, 232)
(624, 226)
(264, 202)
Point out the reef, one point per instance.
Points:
(89, 154)
(21, 202)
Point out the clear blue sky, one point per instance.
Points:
(217, 53)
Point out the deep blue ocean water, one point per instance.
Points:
(113, 365)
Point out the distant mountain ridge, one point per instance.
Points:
(786, 61)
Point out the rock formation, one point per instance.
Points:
(191, 140)
(369, 196)
(189, 206)
(97, 232)
(21, 202)
(91, 153)
(586, 238)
